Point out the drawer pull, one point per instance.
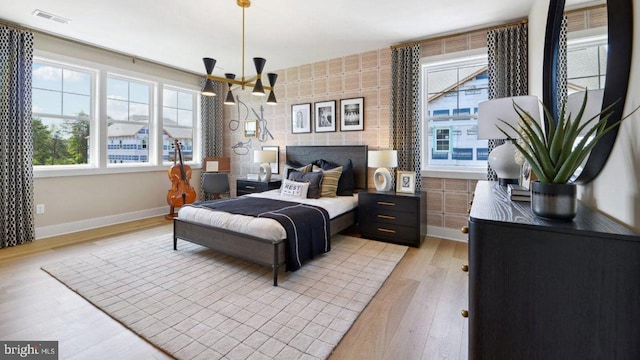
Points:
(465, 229)
(384, 203)
(250, 187)
(387, 217)
(387, 230)
(471, 202)
(468, 211)
(465, 268)
(464, 313)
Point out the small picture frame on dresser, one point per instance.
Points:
(406, 182)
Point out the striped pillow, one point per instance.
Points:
(330, 181)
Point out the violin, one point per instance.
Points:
(181, 192)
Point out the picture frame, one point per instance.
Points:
(526, 175)
(275, 166)
(352, 114)
(301, 118)
(406, 182)
(325, 115)
(250, 128)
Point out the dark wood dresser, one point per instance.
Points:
(541, 289)
(392, 217)
(244, 186)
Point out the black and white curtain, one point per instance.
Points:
(405, 129)
(212, 123)
(508, 68)
(16, 139)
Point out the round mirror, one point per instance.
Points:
(620, 43)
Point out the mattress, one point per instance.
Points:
(264, 228)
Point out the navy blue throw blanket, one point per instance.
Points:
(307, 226)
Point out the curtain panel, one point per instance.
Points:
(508, 69)
(16, 138)
(212, 124)
(405, 128)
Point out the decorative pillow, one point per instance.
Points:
(314, 179)
(347, 182)
(294, 189)
(293, 166)
(330, 181)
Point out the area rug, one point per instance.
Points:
(196, 303)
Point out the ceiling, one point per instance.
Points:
(285, 32)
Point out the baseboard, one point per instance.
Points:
(446, 233)
(67, 228)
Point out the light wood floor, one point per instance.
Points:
(415, 315)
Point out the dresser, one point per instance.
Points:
(244, 186)
(392, 217)
(542, 289)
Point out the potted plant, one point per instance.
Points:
(555, 155)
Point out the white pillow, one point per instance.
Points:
(294, 189)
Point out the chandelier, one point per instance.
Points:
(230, 79)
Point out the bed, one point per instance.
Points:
(271, 252)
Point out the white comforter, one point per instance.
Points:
(268, 229)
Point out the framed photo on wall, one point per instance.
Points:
(352, 114)
(325, 112)
(301, 118)
(406, 182)
(250, 129)
(276, 165)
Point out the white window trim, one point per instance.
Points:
(461, 172)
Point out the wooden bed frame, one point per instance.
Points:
(269, 252)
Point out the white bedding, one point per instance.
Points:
(268, 229)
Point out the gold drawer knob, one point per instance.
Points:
(471, 202)
(465, 229)
(465, 268)
(464, 313)
(468, 211)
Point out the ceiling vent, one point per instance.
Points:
(49, 16)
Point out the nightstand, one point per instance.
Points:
(244, 186)
(392, 217)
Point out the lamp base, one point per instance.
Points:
(265, 172)
(382, 179)
(502, 160)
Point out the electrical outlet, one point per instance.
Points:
(40, 209)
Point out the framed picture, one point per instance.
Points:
(325, 116)
(301, 118)
(406, 182)
(352, 114)
(276, 165)
(250, 128)
(527, 175)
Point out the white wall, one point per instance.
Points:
(616, 191)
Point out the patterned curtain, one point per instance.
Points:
(508, 71)
(561, 75)
(211, 124)
(16, 138)
(405, 129)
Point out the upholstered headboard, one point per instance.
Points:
(337, 154)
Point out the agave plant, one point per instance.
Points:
(554, 155)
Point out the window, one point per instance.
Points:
(586, 64)
(62, 114)
(451, 92)
(178, 123)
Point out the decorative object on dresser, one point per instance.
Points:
(352, 114)
(244, 187)
(301, 118)
(406, 182)
(264, 157)
(382, 160)
(490, 113)
(541, 289)
(392, 217)
(325, 116)
(518, 192)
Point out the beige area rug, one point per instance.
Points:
(195, 303)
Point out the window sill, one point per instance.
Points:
(63, 171)
(468, 174)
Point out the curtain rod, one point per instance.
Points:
(411, 43)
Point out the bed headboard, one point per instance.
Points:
(334, 153)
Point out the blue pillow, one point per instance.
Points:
(347, 182)
(313, 178)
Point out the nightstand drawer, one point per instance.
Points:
(391, 203)
(390, 232)
(244, 187)
(383, 215)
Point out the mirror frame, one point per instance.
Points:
(620, 44)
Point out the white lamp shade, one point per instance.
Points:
(593, 107)
(490, 113)
(383, 158)
(264, 156)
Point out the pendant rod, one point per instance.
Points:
(243, 46)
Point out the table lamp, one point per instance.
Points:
(593, 107)
(264, 157)
(382, 160)
(502, 158)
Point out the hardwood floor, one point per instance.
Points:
(415, 315)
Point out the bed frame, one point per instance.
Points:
(269, 252)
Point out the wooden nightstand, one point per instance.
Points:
(244, 186)
(392, 217)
